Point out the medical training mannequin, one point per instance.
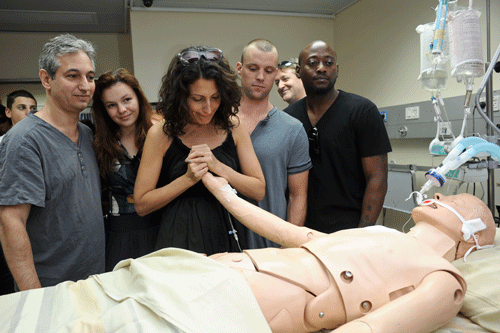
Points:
(371, 279)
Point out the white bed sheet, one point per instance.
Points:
(185, 292)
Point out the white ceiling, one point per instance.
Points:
(111, 16)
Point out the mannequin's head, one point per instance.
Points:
(442, 218)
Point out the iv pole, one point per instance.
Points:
(489, 108)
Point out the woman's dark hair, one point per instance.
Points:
(107, 132)
(174, 91)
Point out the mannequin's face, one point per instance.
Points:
(468, 206)
(435, 214)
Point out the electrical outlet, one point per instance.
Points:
(412, 112)
(445, 128)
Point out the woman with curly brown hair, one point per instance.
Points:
(122, 117)
(201, 133)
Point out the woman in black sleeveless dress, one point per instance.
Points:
(201, 133)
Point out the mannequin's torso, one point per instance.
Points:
(336, 278)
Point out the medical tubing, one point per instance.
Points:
(440, 98)
(490, 148)
(437, 133)
(427, 186)
(437, 177)
(464, 143)
(468, 95)
(462, 131)
(464, 157)
(438, 120)
(435, 105)
(481, 88)
(440, 26)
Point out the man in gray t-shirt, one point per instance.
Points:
(280, 141)
(51, 225)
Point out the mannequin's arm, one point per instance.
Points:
(265, 224)
(431, 305)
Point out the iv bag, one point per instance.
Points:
(466, 50)
(433, 68)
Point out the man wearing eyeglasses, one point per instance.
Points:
(288, 82)
(348, 144)
(280, 141)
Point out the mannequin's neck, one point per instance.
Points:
(439, 241)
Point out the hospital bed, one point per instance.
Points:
(188, 292)
(481, 309)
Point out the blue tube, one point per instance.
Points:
(461, 145)
(457, 157)
(471, 140)
(438, 16)
(490, 148)
(438, 40)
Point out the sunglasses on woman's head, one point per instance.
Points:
(284, 64)
(193, 56)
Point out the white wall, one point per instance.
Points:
(20, 52)
(379, 55)
(159, 36)
(378, 51)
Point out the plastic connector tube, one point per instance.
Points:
(490, 148)
(464, 143)
(436, 108)
(437, 46)
(456, 157)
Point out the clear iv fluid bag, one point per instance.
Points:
(433, 69)
(466, 50)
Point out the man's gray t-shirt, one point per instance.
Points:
(41, 166)
(282, 148)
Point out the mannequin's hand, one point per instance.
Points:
(213, 183)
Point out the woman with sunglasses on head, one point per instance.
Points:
(201, 133)
(122, 117)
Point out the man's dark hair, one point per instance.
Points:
(18, 93)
